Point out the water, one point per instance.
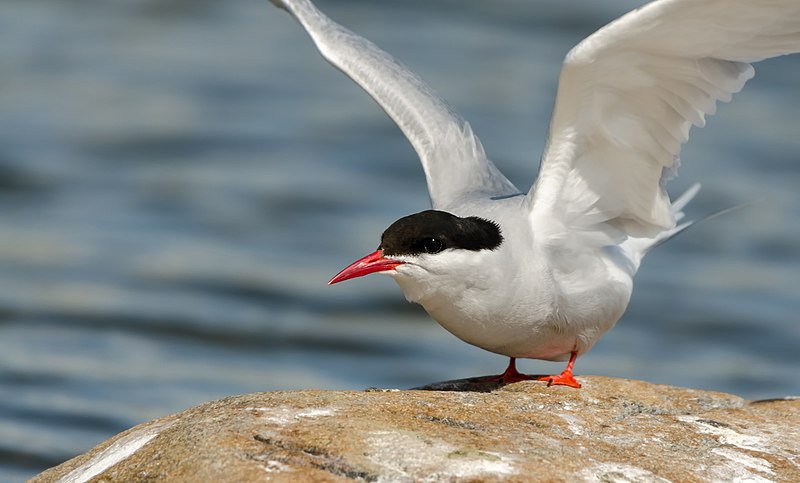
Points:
(178, 180)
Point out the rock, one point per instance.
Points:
(611, 430)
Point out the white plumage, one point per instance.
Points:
(629, 94)
(627, 98)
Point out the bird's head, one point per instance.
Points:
(430, 249)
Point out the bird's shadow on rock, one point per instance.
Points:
(470, 384)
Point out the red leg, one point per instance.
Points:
(565, 378)
(510, 375)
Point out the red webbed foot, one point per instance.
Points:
(511, 375)
(565, 378)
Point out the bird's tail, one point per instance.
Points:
(637, 248)
(677, 211)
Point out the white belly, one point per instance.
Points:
(527, 320)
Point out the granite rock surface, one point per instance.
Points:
(611, 430)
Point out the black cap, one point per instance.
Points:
(433, 231)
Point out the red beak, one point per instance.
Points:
(374, 262)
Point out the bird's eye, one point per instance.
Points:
(433, 245)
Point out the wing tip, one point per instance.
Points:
(685, 197)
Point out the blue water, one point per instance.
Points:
(178, 180)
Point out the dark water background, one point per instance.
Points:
(179, 179)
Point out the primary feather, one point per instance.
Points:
(628, 95)
(452, 156)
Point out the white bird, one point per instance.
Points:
(544, 275)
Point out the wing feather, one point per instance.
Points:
(452, 156)
(628, 96)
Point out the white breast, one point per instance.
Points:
(517, 300)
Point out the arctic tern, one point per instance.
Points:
(544, 274)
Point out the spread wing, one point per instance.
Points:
(627, 97)
(452, 156)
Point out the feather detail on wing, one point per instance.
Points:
(626, 100)
(454, 161)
